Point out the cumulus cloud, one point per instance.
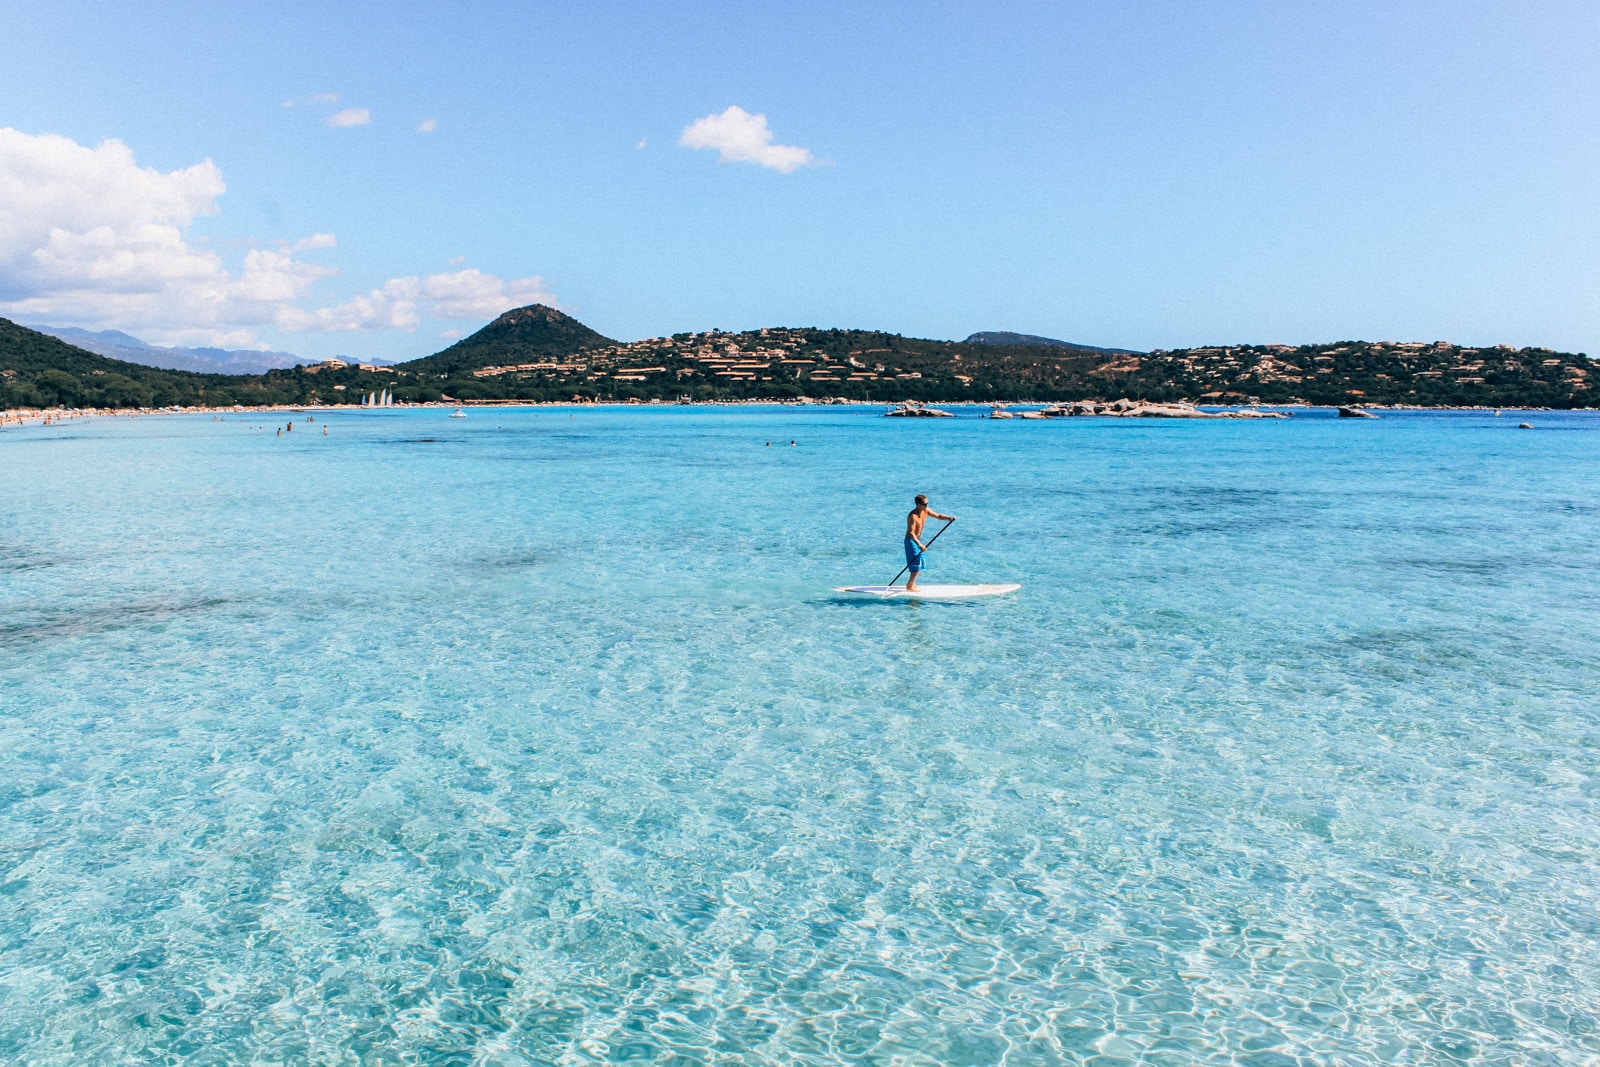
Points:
(393, 305)
(350, 116)
(401, 302)
(740, 137)
(472, 294)
(90, 238)
(427, 125)
(88, 228)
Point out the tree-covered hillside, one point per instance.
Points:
(539, 354)
(865, 365)
(524, 334)
(37, 370)
(40, 371)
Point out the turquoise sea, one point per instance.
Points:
(539, 737)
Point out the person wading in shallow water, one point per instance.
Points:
(914, 545)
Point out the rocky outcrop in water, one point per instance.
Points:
(913, 410)
(1139, 409)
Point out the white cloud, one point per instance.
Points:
(350, 116)
(427, 125)
(391, 306)
(640, 145)
(90, 238)
(401, 302)
(325, 98)
(472, 294)
(740, 137)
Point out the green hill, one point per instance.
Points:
(529, 334)
(865, 365)
(537, 353)
(37, 370)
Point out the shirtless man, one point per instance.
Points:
(914, 545)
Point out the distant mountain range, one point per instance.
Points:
(1001, 337)
(538, 353)
(114, 344)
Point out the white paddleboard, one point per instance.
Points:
(928, 592)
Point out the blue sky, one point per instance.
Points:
(1141, 175)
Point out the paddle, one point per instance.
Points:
(925, 548)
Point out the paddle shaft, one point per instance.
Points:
(925, 548)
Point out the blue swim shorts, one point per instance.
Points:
(913, 555)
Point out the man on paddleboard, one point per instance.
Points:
(914, 545)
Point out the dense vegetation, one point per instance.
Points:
(39, 371)
(537, 353)
(866, 365)
(522, 335)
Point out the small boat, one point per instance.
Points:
(458, 414)
(999, 412)
(685, 398)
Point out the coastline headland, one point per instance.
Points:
(537, 354)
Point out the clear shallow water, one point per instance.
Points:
(538, 737)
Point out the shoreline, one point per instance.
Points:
(50, 416)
